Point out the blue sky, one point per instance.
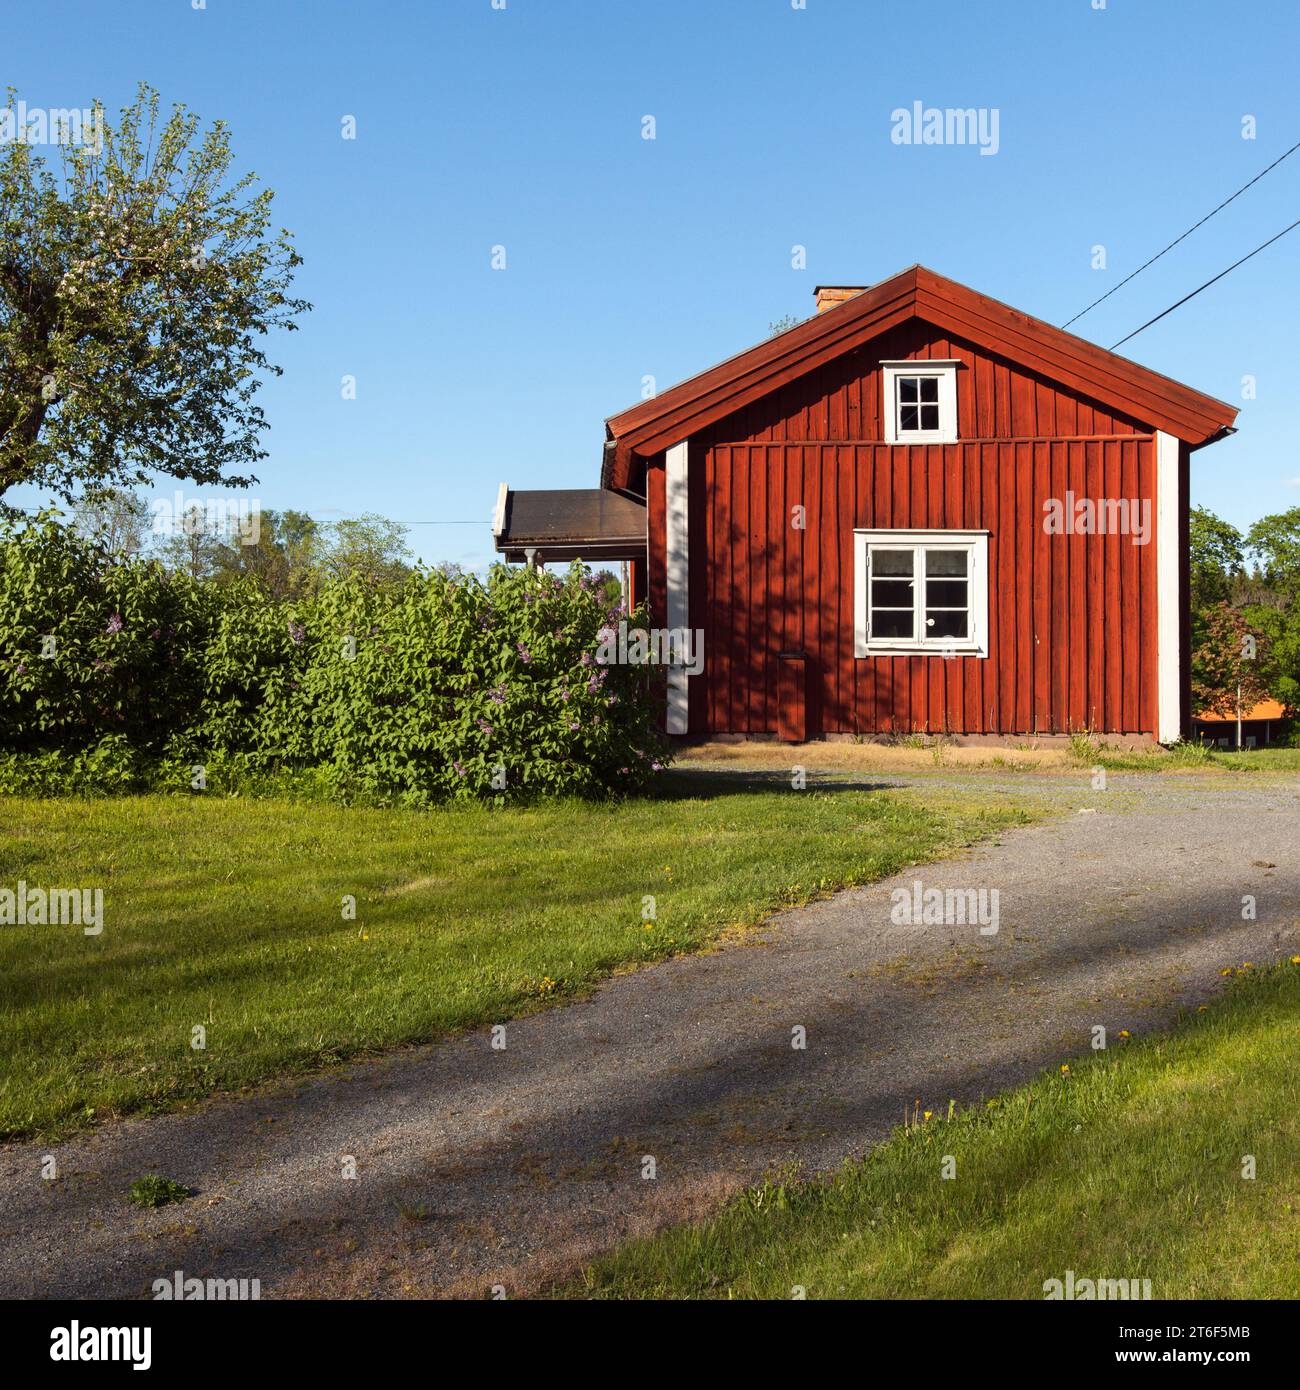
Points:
(625, 257)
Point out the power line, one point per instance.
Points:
(478, 521)
(1184, 236)
(1206, 285)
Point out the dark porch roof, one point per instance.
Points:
(588, 523)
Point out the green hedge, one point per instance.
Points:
(118, 676)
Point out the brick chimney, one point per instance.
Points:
(828, 296)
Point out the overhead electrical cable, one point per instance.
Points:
(1184, 236)
(1206, 285)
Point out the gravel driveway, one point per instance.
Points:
(478, 1166)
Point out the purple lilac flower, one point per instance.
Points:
(497, 695)
(460, 771)
(485, 726)
(524, 654)
(114, 624)
(297, 633)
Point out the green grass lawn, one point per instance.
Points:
(227, 914)
(1186, 755)
(1129, 1166)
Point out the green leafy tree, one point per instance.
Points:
(189, 544)
(1271, 600)
(1275, 543)
(372, 548)
(115, 519)
(1217, 551)
(1279, 646)
(137, 282)
(281, 551)
(1228, 666)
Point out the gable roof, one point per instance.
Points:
(1114, 381)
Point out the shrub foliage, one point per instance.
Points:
(116, 674)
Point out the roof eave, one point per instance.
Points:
(1126, 386)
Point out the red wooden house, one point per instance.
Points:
(919, 510)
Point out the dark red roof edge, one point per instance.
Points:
(1115, 381)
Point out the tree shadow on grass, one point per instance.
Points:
(682, 784)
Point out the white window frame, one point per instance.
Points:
(946, 373)
(976, 543)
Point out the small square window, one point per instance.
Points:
(920, 402)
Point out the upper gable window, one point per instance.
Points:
(920, 402)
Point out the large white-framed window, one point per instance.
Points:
(921, 591)
(919, 402)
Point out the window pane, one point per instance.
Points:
(892, 562)
(929, 388)
(907, 388)
(946, 562)
(909, 418)
(945, 593)
(929, 417)
(891, 622)
(892, 593)
(944, 624)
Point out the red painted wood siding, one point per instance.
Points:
(1072, 618)
(996, 399)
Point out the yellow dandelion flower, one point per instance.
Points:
(1065, 1068)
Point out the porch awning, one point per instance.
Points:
(557, 524)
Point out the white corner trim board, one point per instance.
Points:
(1169, 608)
(499, 513)
(677, 616)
